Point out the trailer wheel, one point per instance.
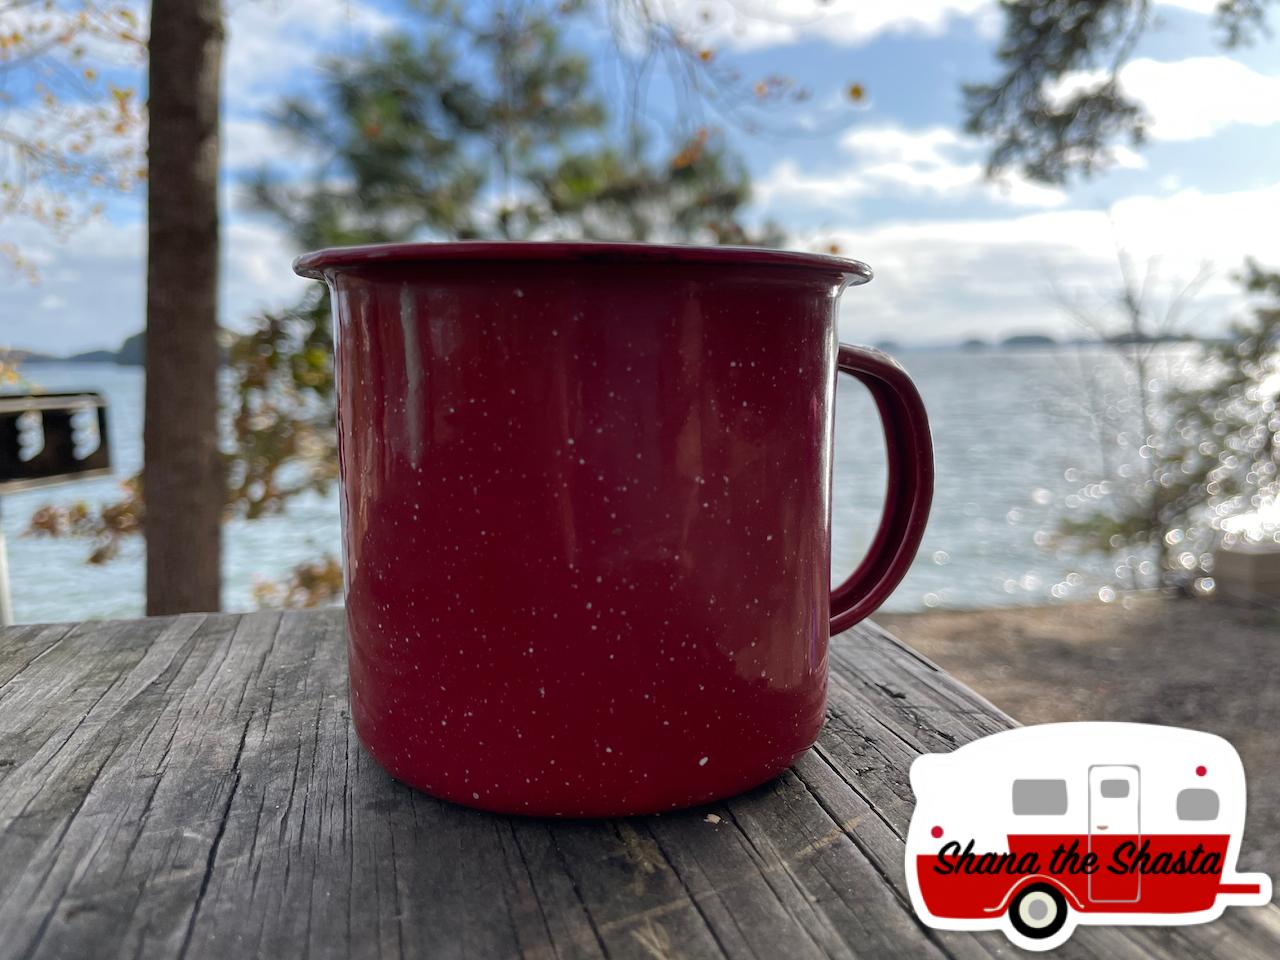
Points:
(1038, 911)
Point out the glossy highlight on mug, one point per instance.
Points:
(586, 511)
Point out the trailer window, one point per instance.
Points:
(1039, 798)
(1114, 789)
(1197, 804)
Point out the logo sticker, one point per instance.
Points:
(1036, 830)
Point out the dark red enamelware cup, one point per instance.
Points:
(586, 498)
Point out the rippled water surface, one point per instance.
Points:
(1007, 425)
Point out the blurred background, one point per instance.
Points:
(1070, 206)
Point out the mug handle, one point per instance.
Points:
(909, 489)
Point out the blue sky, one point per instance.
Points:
(892, 181)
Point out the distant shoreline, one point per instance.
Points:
(1040, 341)
(130, 353)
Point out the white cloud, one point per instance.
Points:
(786, 182)
(890, 160)
(1196, 97)
(276, 48)
(940, 279)
(1017, 191)
(250, 144)
(935, 279)
(91, 289)
(1127, 159)
(256, 270)
(935, 276)
(90, 292)
(274, 44)
(886, 142)
(1205, 7)
(756, 23)
(1192, 98)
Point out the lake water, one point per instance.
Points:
(1007, 427)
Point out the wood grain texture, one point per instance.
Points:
(192, 787)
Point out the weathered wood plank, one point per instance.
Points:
(192, 787)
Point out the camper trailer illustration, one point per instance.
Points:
(1035, 830)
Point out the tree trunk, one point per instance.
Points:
(182, 476)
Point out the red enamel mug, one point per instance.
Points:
(586, 503)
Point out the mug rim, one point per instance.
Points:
(317, 264)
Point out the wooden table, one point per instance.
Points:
(192, 786)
